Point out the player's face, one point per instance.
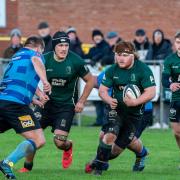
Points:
(177, 45)
(124, 60)
(62, 50)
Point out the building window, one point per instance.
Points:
(2, 13)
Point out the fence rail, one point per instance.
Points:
(156, 66)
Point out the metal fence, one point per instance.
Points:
(160, 95)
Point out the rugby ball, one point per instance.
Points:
(132, 91)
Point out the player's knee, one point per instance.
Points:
(40, 142)
(109, 138)
(60, 141)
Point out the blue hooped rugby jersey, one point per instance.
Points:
(20, 79)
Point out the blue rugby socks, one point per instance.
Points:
(24, 149)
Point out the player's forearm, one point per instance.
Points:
(87, 90)
(147, 95)
(38, 92)
(105, 96)
(40, 70)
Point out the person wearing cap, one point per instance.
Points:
(44, 32)
(15, 45)
(142, 45)
(96, 54)
(112, 38)
(64, 68)
(125, 114)
(100, 49)
(75, 43)
(171, 79)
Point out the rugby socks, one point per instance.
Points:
(113, 156)
(28, 165)
(103, 153)
(142, 153)
(24, 149)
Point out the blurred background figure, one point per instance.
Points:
(44, 33)
(75, 43)
(100, 48)
(112, 38)
(96, 54)
(15, 45)
(142, 45)
(161, 47)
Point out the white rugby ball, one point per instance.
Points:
(132, 91)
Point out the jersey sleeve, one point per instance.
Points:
(82, 68)
(148, 78)
(39, 56)
(107, 79)
(167, 67)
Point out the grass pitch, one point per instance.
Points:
(161, 164)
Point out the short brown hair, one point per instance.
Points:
(125, 47)
(34, 41)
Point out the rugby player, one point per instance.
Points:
(63, 69)
(171, 79)
(18, 87)
(125, 116)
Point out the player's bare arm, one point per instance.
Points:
(146, 96)
(87, 89)
(40, 70)
(103, 93)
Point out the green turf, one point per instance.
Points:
(162, 162)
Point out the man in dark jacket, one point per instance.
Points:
(75, 43)
(142, 45)
(44, 33)
(100, 49)
(112, 38)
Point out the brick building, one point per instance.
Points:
(124, 16)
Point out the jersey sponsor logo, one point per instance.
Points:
(86, 68)
(131, 136)
(112, 113)
(151, 79)
(175, 67)
(133, 77)
(63, 123)
(49, 70)
(26, 121)
(172, 112)
(179, 78)
(121, 88)
(115, 77)
(58, 82)
(68, 70)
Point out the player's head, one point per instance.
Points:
(125, 54)
(35, 43)
(177, 42)
(60, 43)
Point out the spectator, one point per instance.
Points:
(142, 45)
(96, 54)
(161, 47)
(112, 38)
(44, 33)
(75, 43)
(15, 45)
(100, 49)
